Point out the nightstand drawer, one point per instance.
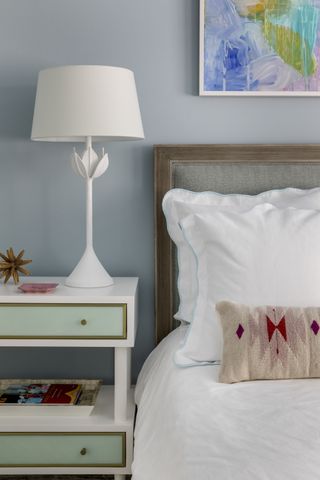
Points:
(63, 449)
(63, 321)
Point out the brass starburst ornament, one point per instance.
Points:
(12, 265)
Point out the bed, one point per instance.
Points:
(189, 426)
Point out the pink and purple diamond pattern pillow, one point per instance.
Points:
(269, 342)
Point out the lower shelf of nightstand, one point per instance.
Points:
(93, 433)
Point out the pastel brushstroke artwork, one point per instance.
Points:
(254, 46)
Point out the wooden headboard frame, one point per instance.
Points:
(166, 157)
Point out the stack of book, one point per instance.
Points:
(48, 397)
(41, 394)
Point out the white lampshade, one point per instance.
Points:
(80, 101)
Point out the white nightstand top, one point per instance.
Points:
(123, 290)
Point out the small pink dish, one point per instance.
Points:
(38, 287)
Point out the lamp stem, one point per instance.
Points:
(89, 234)
(89, 142)
(89, 206)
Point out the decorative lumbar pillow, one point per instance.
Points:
(179, 203)
(264, 256)
(269, 342)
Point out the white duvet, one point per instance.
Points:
(190, 427)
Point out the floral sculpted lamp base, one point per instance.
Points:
(86, 103)
(89, 269)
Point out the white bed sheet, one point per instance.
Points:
(190, 427)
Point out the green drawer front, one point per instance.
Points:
(62, 449)
(63, 321)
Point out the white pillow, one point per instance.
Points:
(264, 256)
(178, 203)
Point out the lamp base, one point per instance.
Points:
(89, 273)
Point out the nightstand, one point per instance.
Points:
(101, 443)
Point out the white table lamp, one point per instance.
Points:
(85, 103)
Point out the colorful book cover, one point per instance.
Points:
(41, 394)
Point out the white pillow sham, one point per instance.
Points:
(264, 256)
(179, 203)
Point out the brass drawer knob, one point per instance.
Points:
(83, 322)
(83, 451)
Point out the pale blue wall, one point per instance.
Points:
(42, 201)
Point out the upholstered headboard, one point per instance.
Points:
(247, 169)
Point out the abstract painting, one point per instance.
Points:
(259, 47)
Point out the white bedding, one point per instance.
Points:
(189, 427)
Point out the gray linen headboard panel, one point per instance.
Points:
(249, 169)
